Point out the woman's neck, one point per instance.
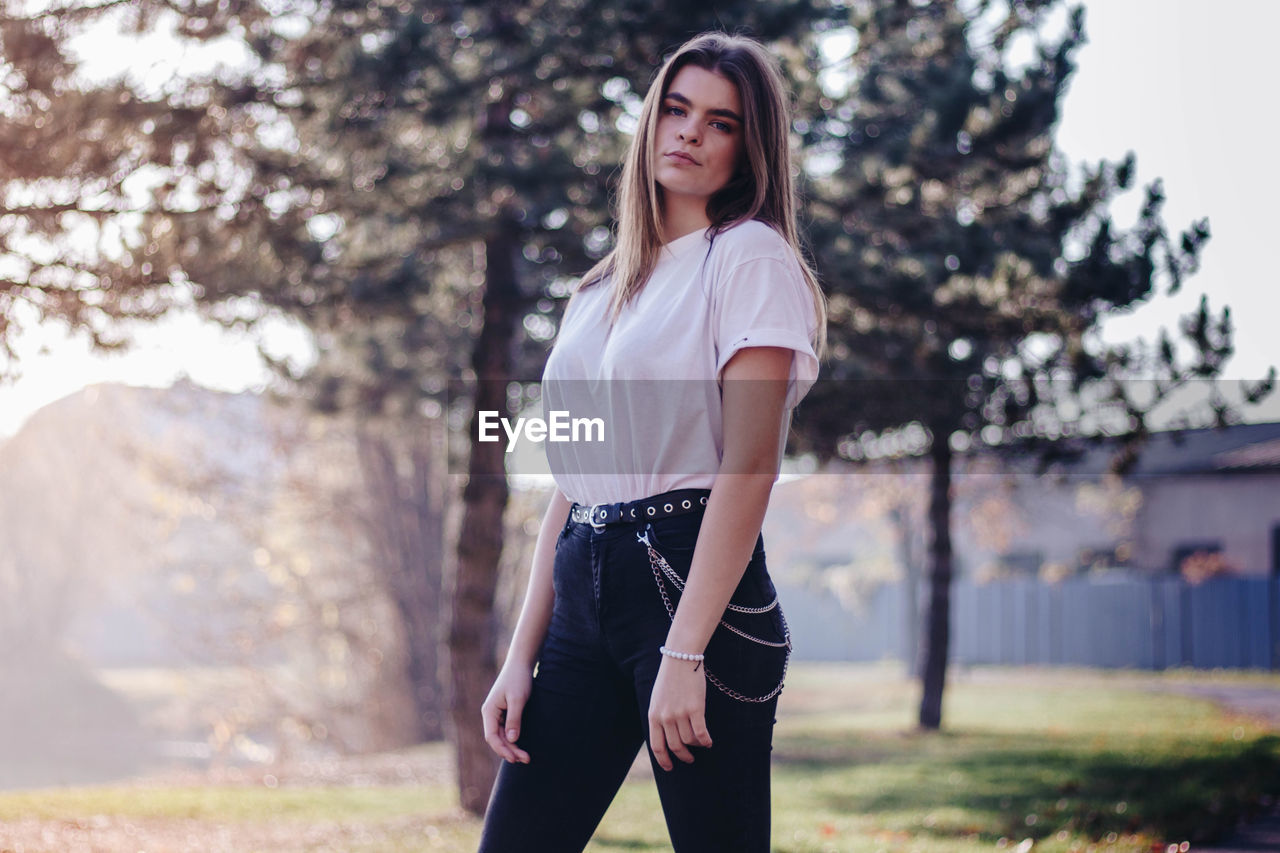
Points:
(679, 219)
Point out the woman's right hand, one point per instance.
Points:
(502, 709)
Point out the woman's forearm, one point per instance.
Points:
(535, 614)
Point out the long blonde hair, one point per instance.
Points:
(762, 190)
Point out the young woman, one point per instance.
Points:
(650, 614)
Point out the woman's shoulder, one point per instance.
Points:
(752, 239)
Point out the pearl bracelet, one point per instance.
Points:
(682, 655)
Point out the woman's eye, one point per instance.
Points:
(718, 125)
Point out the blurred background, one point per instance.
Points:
(261, 263)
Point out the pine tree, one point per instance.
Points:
(966, 278)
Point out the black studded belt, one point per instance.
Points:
(659, 506)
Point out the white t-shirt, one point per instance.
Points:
(654, 379)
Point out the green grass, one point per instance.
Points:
(1091, 762)
(1065, 766)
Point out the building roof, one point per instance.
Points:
(1262, 454)
(1239, 448)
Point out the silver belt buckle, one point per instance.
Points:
(591, 517)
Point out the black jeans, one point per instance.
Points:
(587, 716)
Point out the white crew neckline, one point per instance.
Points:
(681, 245)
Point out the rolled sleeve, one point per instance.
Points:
(764, 302)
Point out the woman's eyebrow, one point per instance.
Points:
(676, 96)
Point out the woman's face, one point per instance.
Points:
(700, 117)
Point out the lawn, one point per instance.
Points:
(1050, 760)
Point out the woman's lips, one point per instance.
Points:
(681, 157)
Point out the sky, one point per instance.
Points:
(1177, 82)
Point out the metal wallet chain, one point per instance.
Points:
(659, 564)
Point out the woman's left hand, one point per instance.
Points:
(676, 711)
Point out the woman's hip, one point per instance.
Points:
(622, 584)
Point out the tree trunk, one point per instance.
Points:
(903, 525)
(405, 527)
(472, 631)
(938, 621)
